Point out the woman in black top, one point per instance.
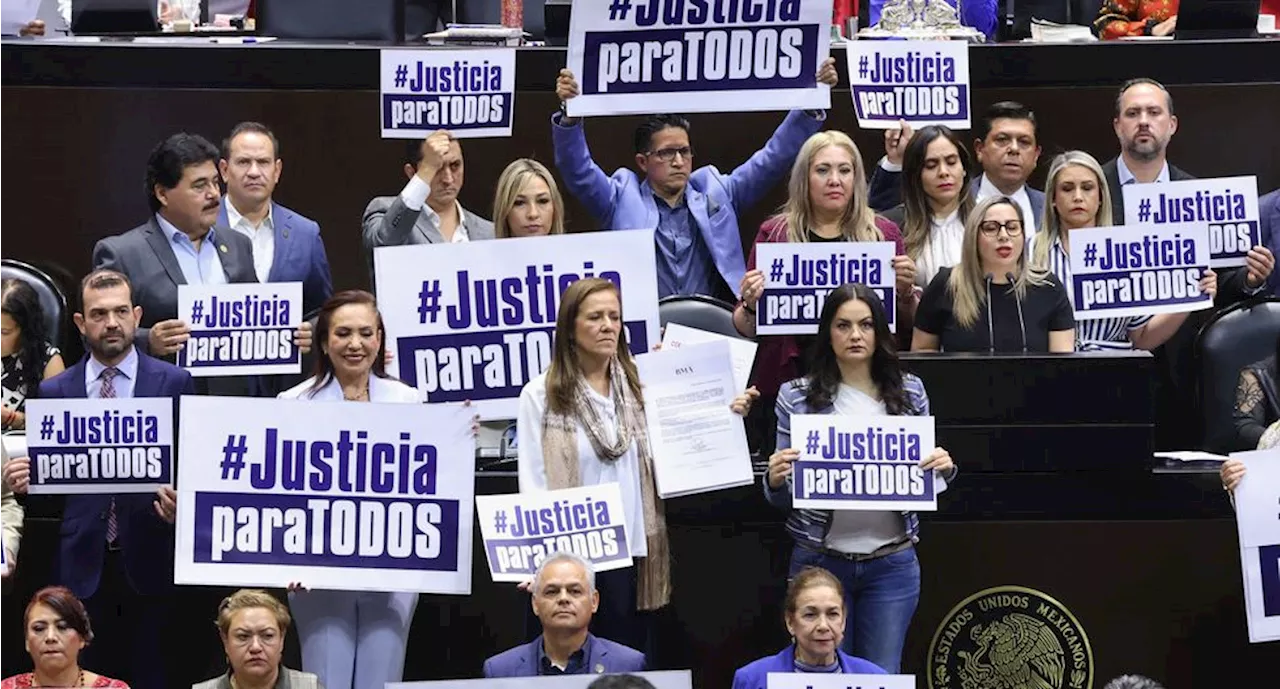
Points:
(1257, 401)
(993, 301)
(29, 355)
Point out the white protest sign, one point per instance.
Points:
(810, 680)
(468, 91)
(741, 352)
(1257, 500)
(922, 82)
(863, 462)
(113, 445)
(800, 275)
(668, 679)
(1228, 205)
(1138, 270)
(522, 529)
(698, 57)
(358, 496)
(475, 321)
(241, 329)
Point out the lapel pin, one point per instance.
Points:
(599, 668)
(223, 248)
(286, 234)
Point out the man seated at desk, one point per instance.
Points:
(564, 599)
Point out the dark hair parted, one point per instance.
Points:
(22, 303)
(104, 278)
(62, 601)
(565, 369)
(917, 214)
(324, 323)
(170, 158)
(655, 124)
(620, 682)
(251, 128)
(824, 371)
(1004, 110)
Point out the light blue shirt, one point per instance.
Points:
(201, 267)
(684, 262)
(123, 381)
(1126, 177)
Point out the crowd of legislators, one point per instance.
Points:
(980, 266)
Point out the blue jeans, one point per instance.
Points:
(880, 596)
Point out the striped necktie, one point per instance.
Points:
(108, 391)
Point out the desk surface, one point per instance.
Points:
(197, 62)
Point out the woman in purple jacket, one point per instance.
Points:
(814, 615)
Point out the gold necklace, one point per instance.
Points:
(360, 396)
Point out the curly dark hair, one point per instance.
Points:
(20, 301)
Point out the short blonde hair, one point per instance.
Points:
(510, 182)
(251, 598)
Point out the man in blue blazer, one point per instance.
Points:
(1006, 148)
(694, 211)
(1269, 213)
(564, 599)
(115, 552)
(286, 246)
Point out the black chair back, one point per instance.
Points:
(698, 311)
(52, 301)
(1234, 338)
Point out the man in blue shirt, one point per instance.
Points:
(694, 212)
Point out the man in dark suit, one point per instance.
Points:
(1269, 214)
(1006, 147)
(1144, 124)
(180, 245)
(427, 210)
(116, 551)
(286, 245)
(564, 599)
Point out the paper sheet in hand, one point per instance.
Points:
(741, 352)
(1257, 500)
(698, 443)
(16, 14)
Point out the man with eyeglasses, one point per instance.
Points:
(694, 211)
(1006, 148)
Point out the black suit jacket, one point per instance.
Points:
(146, 257)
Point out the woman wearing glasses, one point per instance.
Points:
(993, 300)
(1078, 197)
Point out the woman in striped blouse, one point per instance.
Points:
(1078, 197)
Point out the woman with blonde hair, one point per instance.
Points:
(582, 423)
(527, 202)
(827, 202)
(994, 300)
(1077, 196)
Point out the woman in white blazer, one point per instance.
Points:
(352, 639)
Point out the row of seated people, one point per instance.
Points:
(851, 366)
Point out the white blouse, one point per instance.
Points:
(380, 390)
(625, 471)
(941, 249)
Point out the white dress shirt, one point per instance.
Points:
(625, 471)
(263, 237)
(380, 390)
(414, 195)
(941, 249)
(1126, 176)
(1029, 220)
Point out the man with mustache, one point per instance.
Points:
(115, 552)
(1144, 124)
(179, 245)
(564, 599)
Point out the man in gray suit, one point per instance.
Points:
(179, 245)
(427, 210)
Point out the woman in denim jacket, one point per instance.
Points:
(855, 371)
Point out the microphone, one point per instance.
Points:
(991, 332)
(1021, 324)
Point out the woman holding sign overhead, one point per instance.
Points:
(855, 371)
(994, 300)
(582, 423)
(352, 639)
(1078, 197)
(827, 203)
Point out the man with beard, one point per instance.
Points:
(179, 245)
(1144, 124)
(564, 599)
(116, 551)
